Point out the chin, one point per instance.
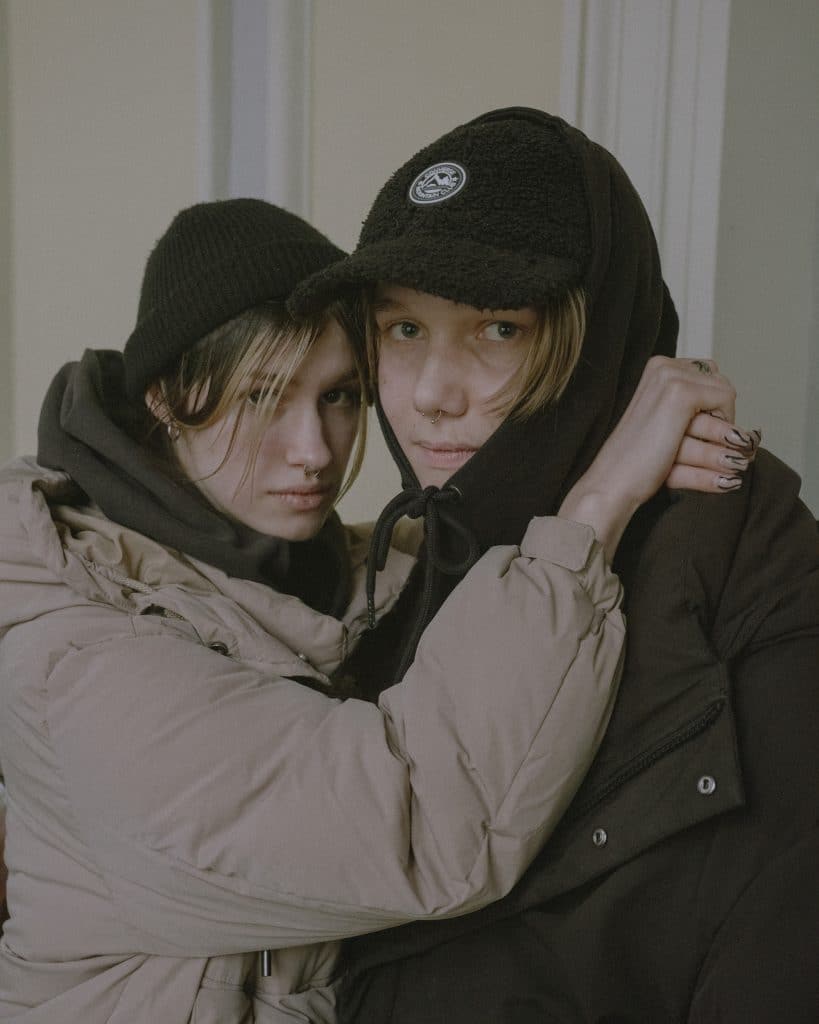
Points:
(303, 527)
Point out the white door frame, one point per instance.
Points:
(254, 114)
(646, 78)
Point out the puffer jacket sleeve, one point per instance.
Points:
(229, 811)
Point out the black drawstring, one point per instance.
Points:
(433, 504)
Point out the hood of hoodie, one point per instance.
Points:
(526, 467)
(87, 428)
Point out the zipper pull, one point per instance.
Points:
(265, 963)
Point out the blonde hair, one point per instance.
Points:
(551, 360)
(265, 344)
(548, 366)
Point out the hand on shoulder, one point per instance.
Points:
(678, 430)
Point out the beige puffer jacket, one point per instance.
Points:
(177, 803)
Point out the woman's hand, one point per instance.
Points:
(677, 430)
(713, 455)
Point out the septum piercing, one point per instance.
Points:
(311, 473)
(433, 418)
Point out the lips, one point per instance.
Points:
(304, 499)
(444, 455)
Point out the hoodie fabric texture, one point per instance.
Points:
(185, 788)
(648, 906)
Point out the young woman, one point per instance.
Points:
(186, 787)
(522, 334)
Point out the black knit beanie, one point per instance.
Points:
(214, 261)
(493, 214)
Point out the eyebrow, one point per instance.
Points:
(384, 305)
(349, 378)
(262, 381)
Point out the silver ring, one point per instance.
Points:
(702, 366)
(433, 418)
(311, 473)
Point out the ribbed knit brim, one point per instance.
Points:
(493, 214)
(215, 261)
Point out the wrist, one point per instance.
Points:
(607, 515)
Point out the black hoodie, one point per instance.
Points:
(88, 428)
(526, 468)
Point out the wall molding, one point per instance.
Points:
(646, 78)
(254, 88)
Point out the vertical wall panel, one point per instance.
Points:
(647, 79)
(254, 69)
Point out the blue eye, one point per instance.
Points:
(401, 330)
(502, 330)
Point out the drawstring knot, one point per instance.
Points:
(435, 506)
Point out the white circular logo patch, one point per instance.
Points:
(437, 183)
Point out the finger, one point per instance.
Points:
(679, 383)
(708, 427)
(706, 366)
(716, 457)
(690, 478)
(709, 368)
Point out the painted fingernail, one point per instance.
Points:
(729, 483)
(738, 439)
(736, 462)
(756, 437)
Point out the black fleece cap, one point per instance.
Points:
(214, 261)
(493, 214)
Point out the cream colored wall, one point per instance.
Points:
(103, 129)
(766, 325)
(392, 75)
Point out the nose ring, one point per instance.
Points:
(311, 473)
(434, 417)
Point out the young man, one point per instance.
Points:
(681, 885)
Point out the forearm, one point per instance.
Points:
(324, 819)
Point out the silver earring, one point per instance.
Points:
(433, 418)
(173, 430)
(311, 473)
